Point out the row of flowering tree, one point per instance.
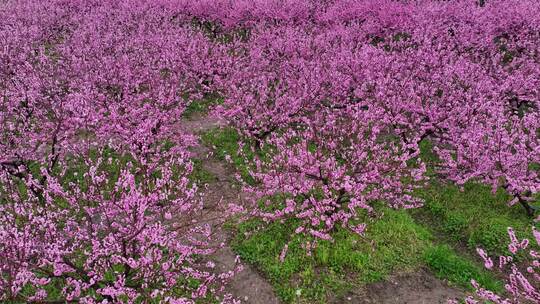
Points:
(95, 200)
(334, 97)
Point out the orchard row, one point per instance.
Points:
(332, 98)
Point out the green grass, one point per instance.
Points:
(447, 264)
(396, 243)
(225, 142)
(202, 106)
(474, 216)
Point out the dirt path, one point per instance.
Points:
(248, 285)
(420, 287)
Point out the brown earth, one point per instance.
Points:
(420, 287)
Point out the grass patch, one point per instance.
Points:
(392, 243)
(202, 106)
(447, 264)
(224, 141)
(474, 217)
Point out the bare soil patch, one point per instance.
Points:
(420, 287)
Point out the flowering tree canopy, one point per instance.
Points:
(335, 97)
